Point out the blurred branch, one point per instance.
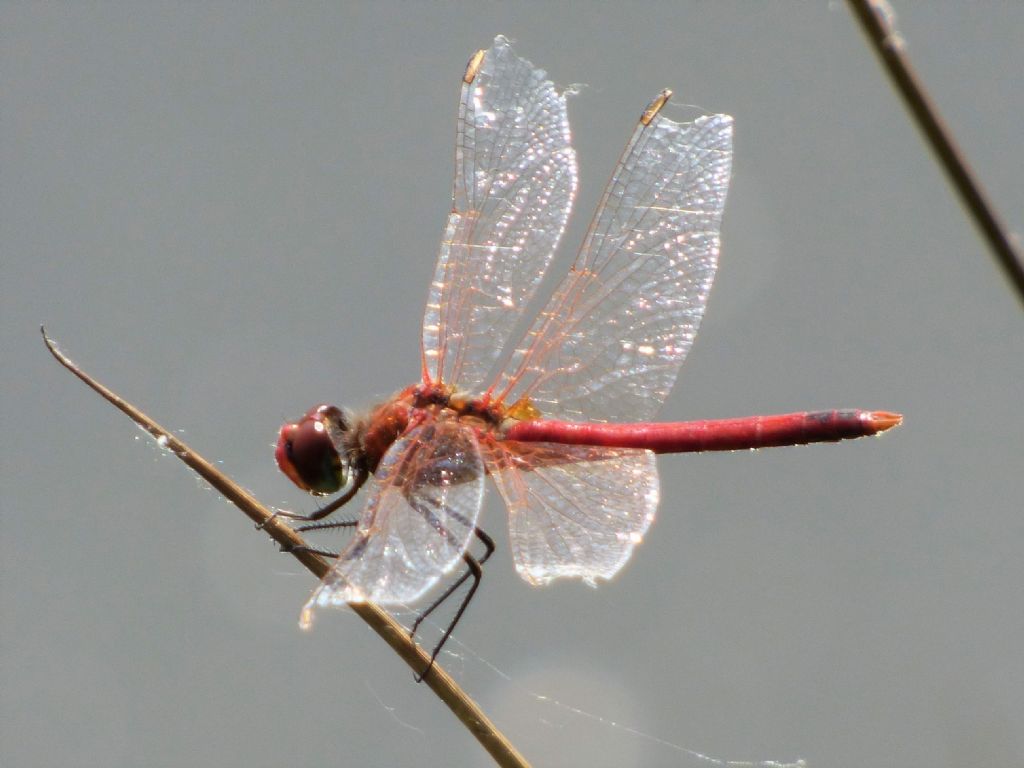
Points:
(878, 20)
(393, 633)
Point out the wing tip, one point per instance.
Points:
(655, 107)
(473, 67)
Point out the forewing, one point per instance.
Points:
(418, 519)
(574, 511)
(515, 178)
(610, 342)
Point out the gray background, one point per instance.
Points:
(230, 213)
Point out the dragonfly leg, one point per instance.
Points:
(310, 550)
(320, 514)
(319, 527)
(473, 568)
(488, 543)
(327, 525)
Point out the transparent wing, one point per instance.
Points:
(610, 342)
(418, 519)
(515, 178)
(574, 511)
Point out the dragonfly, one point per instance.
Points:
(561, 421)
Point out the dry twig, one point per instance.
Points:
(461, 705)
(878, 20)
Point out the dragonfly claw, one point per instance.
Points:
(277, 513)
(420, 677)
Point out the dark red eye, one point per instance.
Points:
(307, 453)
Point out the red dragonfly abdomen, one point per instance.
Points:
(711, 435)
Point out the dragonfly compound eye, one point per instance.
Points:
(307, 451)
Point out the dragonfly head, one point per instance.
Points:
(309, 451)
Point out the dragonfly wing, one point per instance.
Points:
(515, 178)
(612, 338)
(417, 522)
(574, 511)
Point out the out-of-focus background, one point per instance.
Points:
(230, 213)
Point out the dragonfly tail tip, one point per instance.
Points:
(883, 420)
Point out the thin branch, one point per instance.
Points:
(878, 20)
(461, 705)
